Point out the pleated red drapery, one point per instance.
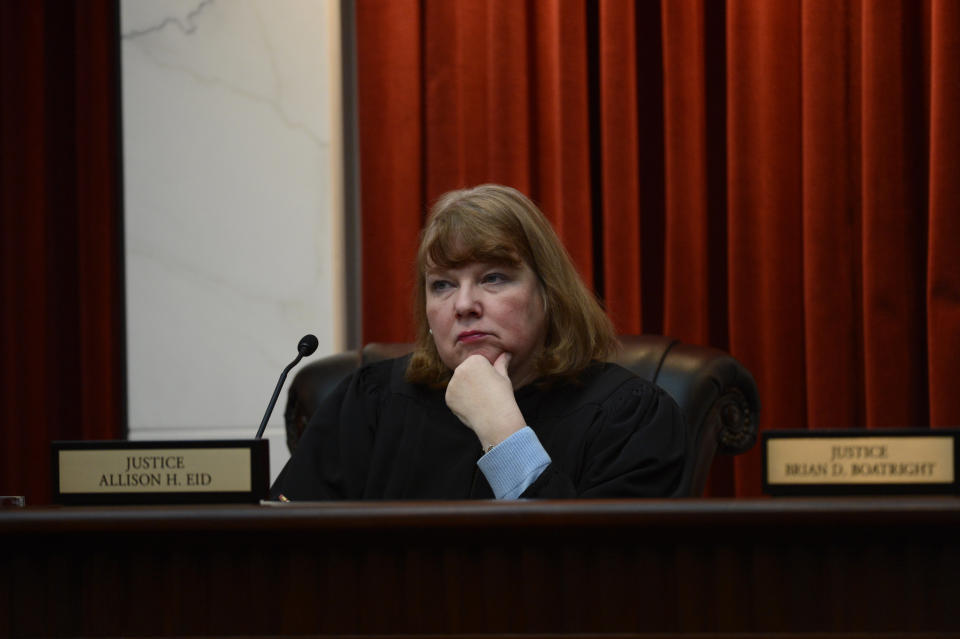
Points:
(62, 339)
(779, 179)
(943, 258)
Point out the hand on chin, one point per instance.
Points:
(481, 396)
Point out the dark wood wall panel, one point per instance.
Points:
(542, 569)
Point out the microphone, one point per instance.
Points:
(306, 347)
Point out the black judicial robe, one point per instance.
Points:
(377, 436)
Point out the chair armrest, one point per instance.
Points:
(716, 394)
(310, 386)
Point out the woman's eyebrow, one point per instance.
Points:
(502, 264)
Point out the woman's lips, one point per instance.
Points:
(471, 336)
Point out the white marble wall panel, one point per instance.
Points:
(232, 207)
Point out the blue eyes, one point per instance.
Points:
(438, 286)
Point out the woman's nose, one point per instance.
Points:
(467, 301)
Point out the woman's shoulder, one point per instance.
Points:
(605, 378)
(379, 374)
(604, 384)
(388, 377)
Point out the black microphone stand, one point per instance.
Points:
(306, 346)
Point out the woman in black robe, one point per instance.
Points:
(506, 394)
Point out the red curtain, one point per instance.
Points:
(59, 222)
(778, 179)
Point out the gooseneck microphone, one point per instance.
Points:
(306, 347)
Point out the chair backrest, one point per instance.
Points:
(717, 395)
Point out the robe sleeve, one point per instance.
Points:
(332, 458)
(634, 447)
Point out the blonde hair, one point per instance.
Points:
(491, 223)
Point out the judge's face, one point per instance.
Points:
(487, 309)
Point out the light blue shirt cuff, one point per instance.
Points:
(514, 463)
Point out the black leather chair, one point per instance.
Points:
(717, 395)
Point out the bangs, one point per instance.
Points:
(462, 237)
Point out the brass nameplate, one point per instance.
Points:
(165, 470)
(840, 462)
(160, 471)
